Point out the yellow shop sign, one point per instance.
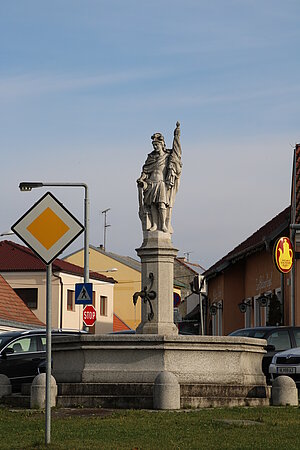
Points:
(283, 254)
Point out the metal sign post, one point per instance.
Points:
(48, 353)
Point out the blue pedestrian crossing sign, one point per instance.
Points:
(83, 293)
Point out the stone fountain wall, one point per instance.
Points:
(120, 370)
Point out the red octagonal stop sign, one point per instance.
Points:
(89, 315)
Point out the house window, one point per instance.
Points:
(257, 313)
(103, 305)
(29, 296)
(261, 304)
(216, 311)
(248, 317)
(220, 318)
(70, 300)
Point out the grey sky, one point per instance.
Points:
(83, 85)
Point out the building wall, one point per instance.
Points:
(234, 293)
(128, 282)
(216, 294)
(260, 274)
(61, 316)
(37, 280)
(246, 280)
(215, 288)
(183, 275)
(74, 319)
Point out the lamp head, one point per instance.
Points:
(213, 310)
(243, 307)
(28, 186)
(263, 300)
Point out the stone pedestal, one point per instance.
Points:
(157, 256)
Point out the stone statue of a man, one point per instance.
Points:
(159, 182)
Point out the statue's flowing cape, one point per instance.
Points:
(154, 161)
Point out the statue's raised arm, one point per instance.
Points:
(159, 182)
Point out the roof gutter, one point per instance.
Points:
(61, 299)
(20, 325)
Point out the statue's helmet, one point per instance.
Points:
(158, 137)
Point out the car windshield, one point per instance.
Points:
(4, 340)
(259, 334)
(246, 333)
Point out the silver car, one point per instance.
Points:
(286, 363)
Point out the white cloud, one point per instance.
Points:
(38, 83)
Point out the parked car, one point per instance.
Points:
(278, 339)
(286, 363)
(23, 353)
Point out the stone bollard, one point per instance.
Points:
(284, 391)
(5, 385)
(38, 392)
(166, 393)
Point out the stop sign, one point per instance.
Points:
(89, 315)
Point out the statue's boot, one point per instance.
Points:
(163, 217)
(153, 219)
(168, 221)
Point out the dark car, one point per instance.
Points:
(23, 353)
(278, 339)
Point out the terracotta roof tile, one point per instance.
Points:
(12, 307)
(195, 267)
(18, 258)
(119, 324)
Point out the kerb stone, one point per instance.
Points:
(166, 392)
(284, 392)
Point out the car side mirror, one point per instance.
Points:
(270, 348)
(7, 351)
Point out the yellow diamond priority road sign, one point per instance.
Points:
(47, 228)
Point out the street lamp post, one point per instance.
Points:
(28, 186)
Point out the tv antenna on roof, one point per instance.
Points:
(105, 225)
